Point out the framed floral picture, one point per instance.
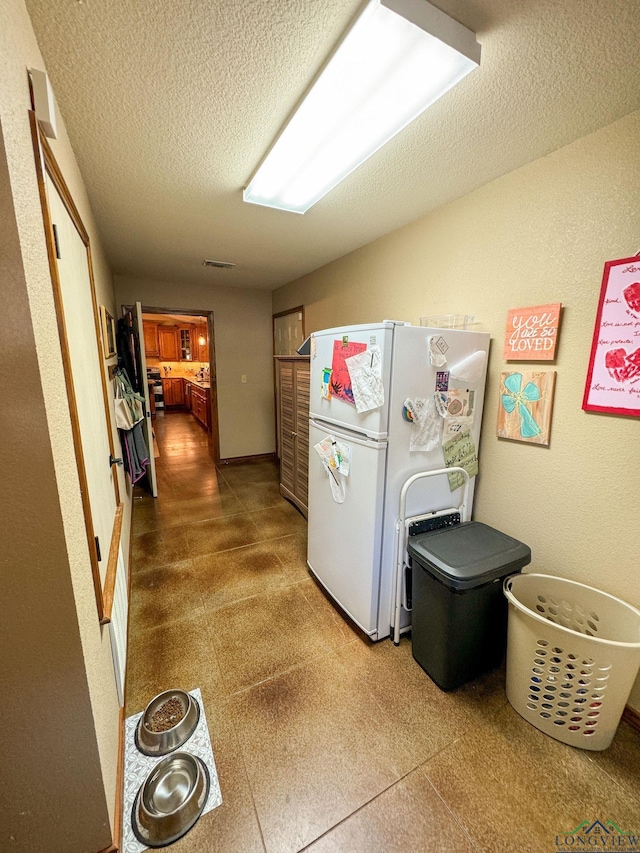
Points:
(108, 328)
(525, 406)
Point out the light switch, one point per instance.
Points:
(243, 378)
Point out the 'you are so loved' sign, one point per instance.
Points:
(532, 333)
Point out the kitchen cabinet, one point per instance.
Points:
(201, 344)
(168, 343)
(292, 386)
(200, 406)
(173, 390)
(150, 338)
(185, 342)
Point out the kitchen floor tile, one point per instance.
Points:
(252, 472)
(256, 496)
(315, 749)
(159, 548)
(229, 576)
(279, 521)
(511, 786)
(165, 594)
(178, 654)
(233, 826)
(257, 638)
(426, 719)
(221, 534)
(292, 552)
(622, 760)
(156, 515)
(407, 816)
(216, 504)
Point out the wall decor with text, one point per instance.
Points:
(532, 333)
(613, 378)
(526, 403)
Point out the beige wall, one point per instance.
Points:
(81, 735)
(242, 328)
(540, 234)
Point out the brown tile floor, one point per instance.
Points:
(324, 741)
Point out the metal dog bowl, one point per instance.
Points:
(160, 743)
(170, 800)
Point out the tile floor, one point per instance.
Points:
(323, 740)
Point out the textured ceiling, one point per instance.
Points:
(171, 105)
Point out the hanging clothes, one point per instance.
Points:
(135, 454)
(128, 348)
(129, 411)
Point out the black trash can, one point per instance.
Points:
(459, 616)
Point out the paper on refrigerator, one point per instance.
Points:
(460, 452)
(365, 371)
(426, 424)
(437, 347)
(336, 458)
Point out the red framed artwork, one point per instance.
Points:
(613, 379)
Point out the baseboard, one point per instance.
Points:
(631, 716)
(118, 818)
(241, 460)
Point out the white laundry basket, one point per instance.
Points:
(573, 654)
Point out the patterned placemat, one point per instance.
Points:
(138, 766)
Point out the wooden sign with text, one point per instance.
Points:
(532, 333)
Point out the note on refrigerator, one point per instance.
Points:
(340, 379)
(336, 459)
(365, 371)
(426, 427)
(460, 452)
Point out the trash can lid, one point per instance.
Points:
(469, 554)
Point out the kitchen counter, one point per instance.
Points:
(191, 379)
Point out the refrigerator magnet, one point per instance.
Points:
(442, 380)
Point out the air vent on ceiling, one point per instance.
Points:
(221, 265)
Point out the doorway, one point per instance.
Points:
(179, 349)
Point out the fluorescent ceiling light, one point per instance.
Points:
(396, 60)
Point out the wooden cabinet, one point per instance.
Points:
(168, 343)
(173, 392)
(292, 384)
(185, 342)
(200, 406)
(201, 344)
(150, 338)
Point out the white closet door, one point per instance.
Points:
(77, 303)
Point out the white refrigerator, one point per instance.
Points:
(351, 544)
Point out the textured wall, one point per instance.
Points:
(243, 342)
(540, 234)
(18, 51)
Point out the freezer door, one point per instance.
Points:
(340, 412)
(345, 540)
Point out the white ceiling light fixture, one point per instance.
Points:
(396, 60)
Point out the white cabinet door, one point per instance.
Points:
(344, 539)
